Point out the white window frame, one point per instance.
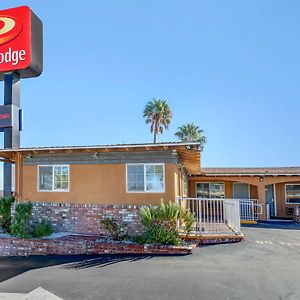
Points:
(209, 182)
(285, 195)
(145, 182)
(53, 190)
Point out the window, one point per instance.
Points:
(292, 193)
(135, 178)
(148, 178)
(53, 178)
(210, 190)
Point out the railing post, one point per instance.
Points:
(177, 201)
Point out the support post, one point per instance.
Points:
(262, 199)
(18, 176)
(11, 134)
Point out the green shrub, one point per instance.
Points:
(5, 213)
(187, 218)
(43, 228)
(117, 230)
(20, 226)
(160, 224)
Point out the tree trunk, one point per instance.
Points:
(155, 132)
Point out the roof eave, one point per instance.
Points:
(100, 147)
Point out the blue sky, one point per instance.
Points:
(232, 67)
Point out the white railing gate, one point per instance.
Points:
(250, 209)
(213, 216)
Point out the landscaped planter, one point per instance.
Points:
(11, 246)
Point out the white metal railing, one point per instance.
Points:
(213, 216)
(250, 209)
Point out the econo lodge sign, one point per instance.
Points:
(21, 40)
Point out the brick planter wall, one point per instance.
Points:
(85, 218)
(75, 245)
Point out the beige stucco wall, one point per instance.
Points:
(255, 186)
(100, 184)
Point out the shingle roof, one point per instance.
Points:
(270, 171)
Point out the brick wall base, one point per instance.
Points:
(86, 218)
(76, 245)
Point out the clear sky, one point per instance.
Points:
(232, 67)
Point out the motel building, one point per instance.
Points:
(74, 187)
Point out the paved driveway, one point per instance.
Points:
(265, 266)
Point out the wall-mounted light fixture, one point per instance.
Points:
(29, 156)
(189, 147)
(96, 155)
(261, 178)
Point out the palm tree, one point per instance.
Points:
(191, 133)
(157, 113)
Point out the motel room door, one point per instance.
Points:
(270, 201)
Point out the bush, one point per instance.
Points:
(5, 213)
(43, 228)
(20, 226)
(160, 224)
(186, 218)
(118, 231)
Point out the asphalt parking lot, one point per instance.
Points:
(265, 266)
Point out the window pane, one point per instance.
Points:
(135, 178)
(155, 178)
(292, 193)
(159, 169)
(149, 169)
(210, 190)
(45, 178)
(64, 185)
(65, 171)
(61, 177)
(150, 176)
(217, 190)
(135, 169)
(202, 190)
(150, 186)
(57, 170)
(57, 185)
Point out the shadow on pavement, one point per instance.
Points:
(105, 260)
(14, 266)
(275, 225)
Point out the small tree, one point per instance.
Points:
(5, 213)
(191, 133)
(20, 226)
(157, 113)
